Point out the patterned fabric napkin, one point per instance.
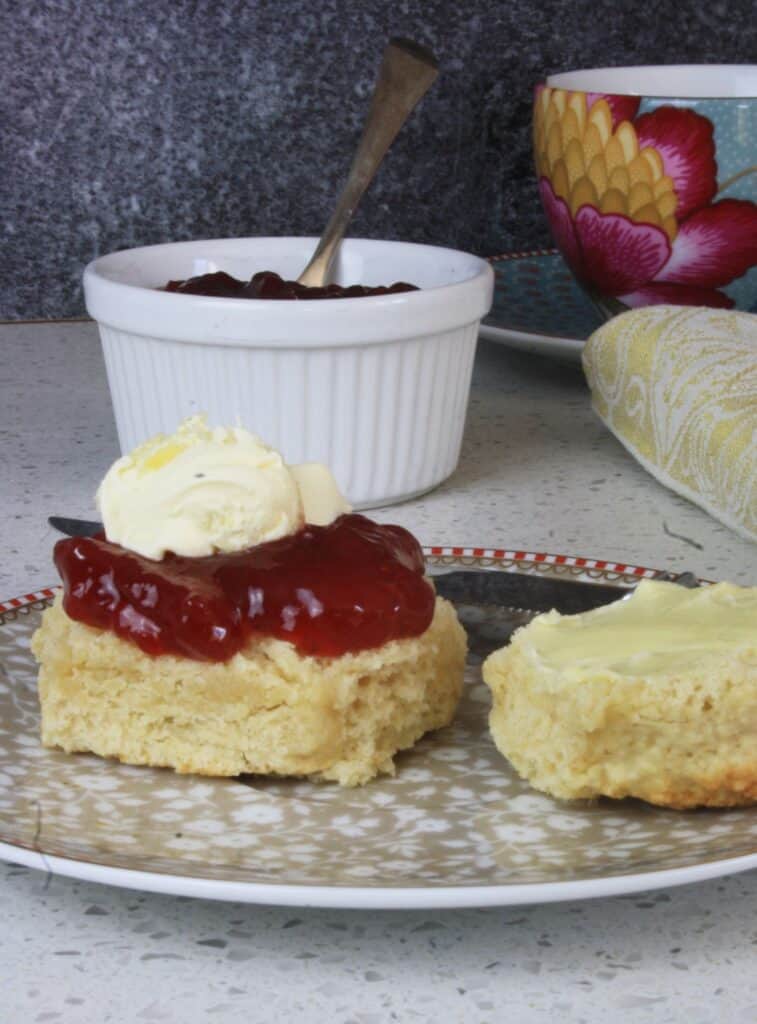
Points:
(677, 386)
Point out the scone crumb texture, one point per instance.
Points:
(267, 711)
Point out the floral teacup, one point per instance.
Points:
(648, 177)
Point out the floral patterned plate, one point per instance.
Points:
(454, 827)
(538, 306)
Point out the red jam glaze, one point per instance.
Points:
(268, 285)
(329, 590)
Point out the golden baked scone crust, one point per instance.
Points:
(268, 710)
(688, 743)
(681, 739)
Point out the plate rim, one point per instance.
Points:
(490, 331)
(566, 345)
(350, 897)
(498, 559)
(426, 897)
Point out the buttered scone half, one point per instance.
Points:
(654, 697)
(235, 617)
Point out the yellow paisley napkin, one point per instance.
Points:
(678, 387)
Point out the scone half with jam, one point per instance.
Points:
(235, 617)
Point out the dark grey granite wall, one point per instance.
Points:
(127, 122)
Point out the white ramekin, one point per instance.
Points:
(376, 387)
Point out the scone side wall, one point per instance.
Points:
(268, 710)
(680, 742)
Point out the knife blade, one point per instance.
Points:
(526, 592)
(75, 527)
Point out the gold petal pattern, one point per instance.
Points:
(589, 163)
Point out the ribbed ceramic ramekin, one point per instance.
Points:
(375, 387)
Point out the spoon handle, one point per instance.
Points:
(407, 72)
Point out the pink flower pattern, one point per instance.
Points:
(636, 263)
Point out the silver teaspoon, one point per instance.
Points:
(407, 72)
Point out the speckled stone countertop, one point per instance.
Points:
(538, 472)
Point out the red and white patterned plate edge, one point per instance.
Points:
(496, 559)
